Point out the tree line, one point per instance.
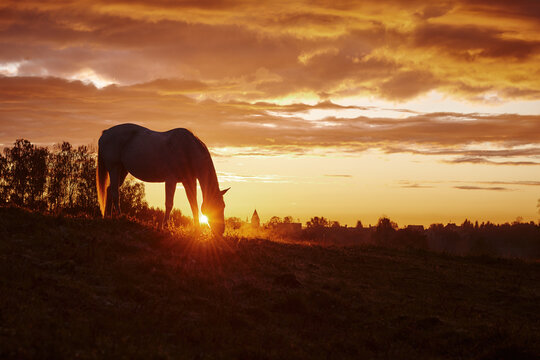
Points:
(62, 179)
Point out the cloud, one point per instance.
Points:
(492, 188)
(254, 51)
(481, 160)
(47, 110)
(234, 178)
(468, 185)
(415, 186)
(472, 41)
(223, 69)
(408, 84)
(518, 183)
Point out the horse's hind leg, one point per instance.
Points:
(113, 197)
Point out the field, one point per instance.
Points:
(93, 288)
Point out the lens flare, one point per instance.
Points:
(203, 220)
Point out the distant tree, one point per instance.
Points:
(385, 223)
(288, 220)
(335, 224)
(274, 221)
(233, 223)
(385, 230)
(317, 222)
(359, 225)
(467, 225)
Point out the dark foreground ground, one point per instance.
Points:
(82, 288)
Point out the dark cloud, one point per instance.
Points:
(492, 188)
(520, 183)
(408, 84)
(472, 41)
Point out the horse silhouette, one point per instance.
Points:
(172, 156)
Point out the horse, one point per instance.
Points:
(172, 156)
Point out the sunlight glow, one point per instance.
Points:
(203, 220)
(89, 76)
(10, 68)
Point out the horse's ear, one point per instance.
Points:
(222, 192)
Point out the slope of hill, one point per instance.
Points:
(92, 288)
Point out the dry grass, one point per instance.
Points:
(90, 288)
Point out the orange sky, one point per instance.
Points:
(424, 111)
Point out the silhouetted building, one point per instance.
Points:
(255, 221)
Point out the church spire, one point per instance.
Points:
(255, 221)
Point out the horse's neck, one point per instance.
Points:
(208, 179)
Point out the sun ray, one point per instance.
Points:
(203, 220)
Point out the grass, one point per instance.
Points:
(93, 288)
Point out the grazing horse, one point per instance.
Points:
(172, 156)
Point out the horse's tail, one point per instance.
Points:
(102, 181)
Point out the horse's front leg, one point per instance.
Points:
(191, 192)
(170, 187)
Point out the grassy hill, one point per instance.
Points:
(92, 288)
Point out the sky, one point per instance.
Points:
(422, 111)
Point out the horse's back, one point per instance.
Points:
(151, 155)
(114, 140)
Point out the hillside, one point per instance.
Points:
(93, 288)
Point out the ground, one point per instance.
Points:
(93, 288)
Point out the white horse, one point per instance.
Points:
(172, 156)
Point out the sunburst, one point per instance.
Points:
(203, 220)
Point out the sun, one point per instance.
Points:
(203, 219)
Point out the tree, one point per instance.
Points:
(274, 221)
(385, 230)
(288, 220)
(63, 177)
(24, 173)
(317, 222)
(132, 197)
(4, 188)
(86, 181)
(233, 223)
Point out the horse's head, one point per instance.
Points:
(214, 209)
